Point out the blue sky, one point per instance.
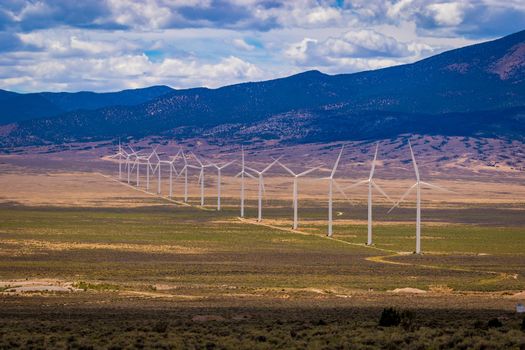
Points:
(72, 45)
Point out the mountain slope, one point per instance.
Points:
(18, 107)
(476, 90)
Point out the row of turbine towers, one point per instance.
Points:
(130, 163)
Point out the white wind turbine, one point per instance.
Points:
(136, 163)
(242, 173)
(418, 185)
(129, 163)
(219, 170)
(295, 180)
(120, 154)
(171, 164)
(184, 171)
(331, 184)
(201, 166)
(371, 185)
(150, 166)
(261, 186)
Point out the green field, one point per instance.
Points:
(147, 272)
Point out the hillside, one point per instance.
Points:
(477, 90)
(19, 107)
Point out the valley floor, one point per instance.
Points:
(87, 262)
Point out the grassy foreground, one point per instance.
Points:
(177, 277)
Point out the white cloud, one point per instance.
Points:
(354, 51)
(127, 71)
(241, 44)
(447, 14)
(113, 44)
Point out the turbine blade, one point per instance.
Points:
(307, 171)
(286, 168)
(180, 173)
(356, 184)
(413, 160)
(439, 188)
(249, 175)
(271, 165)
(342, 192)
(373, 163)
(337, 161)
(263, 187)
(402, 197)
(380, 190)
(227, 164)
(197, 159)
(251, 169)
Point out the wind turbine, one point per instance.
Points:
(371, 185)
(171, 164)
(295, 180)
(128, 162)
(121, 153)
(241, 174)
(138, 159)
(418, 185)
(201, 175)
(331, 185)
(261, 185)
(219, 169)
(149, 166)
(185, 171)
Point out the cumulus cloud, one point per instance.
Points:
(355, 50)
(112, 44)
(125, 71)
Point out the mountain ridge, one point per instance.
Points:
(50, 104)
(478, 90)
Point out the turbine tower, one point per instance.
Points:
(171, 164)
(295, 180)
(418, 186)
(120, 154)
(371, 185)
(261, 186)
(185, 171)
(219, 170)
(241, 174)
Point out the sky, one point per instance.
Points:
(109, 45)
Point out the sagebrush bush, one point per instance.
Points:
(494, 323)
(391, 317)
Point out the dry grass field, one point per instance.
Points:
(88, 262)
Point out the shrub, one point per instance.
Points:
(161, 327)
(391, 317)
(407, 320)
(523, 324)
(260, 338)
(494, 323)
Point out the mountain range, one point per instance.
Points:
(477, 90)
